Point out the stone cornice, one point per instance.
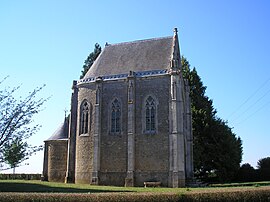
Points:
(123, 76)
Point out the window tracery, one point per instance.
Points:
(150, 114)
(84, 115)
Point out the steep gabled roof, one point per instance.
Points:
(143, 55)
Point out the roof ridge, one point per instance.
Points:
(138, 41)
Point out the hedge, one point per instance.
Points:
(253, 195)
(20, 176)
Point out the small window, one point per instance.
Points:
(84, 122)
(150, 115)
(115, 116)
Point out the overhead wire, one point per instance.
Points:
(254, 113)
(251, 96)
(252, 105)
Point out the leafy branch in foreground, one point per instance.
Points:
(16, 118)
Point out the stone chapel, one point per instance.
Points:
(130, 120)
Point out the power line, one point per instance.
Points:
(253, 104)
(252, 95)
(254, 113)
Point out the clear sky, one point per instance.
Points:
(228, 41)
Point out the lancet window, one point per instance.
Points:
(150, 114)
(85, 117)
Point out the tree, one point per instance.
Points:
(246, 173)
(15, 152)
(217, 150)
(90, 59)
(263, 166)
(16, 118)
(264, 163)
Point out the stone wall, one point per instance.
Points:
(152, 150)
(113, 146)
(70, 175)
(84, 143)
(112, 178)
(57, 160)
(151, 176)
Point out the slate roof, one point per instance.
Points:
(142, 55)
(61, 133)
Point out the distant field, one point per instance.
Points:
(32, 190)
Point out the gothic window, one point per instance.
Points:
(115, 116)
(84, 115)
(150, 114)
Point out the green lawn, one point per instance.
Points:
(37, 191)
(52, 187)
(39, 186)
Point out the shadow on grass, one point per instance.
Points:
(32, 187)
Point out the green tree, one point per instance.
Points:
(246, 173)
(264, 163)
(263, 166)
(15, 152)
(217, 150)
(16, 117)
(90, 59)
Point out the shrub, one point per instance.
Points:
(20, 176)
(255, 194)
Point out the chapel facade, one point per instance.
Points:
(130, 120)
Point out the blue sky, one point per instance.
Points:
(46, 42)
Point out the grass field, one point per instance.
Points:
(53, 187)
(32, 190)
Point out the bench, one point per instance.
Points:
(152, 184)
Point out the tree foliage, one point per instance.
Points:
(246, 173)
(90, 59)
(263, 166)
(264, 163)
(15, 152)
(16, 117)
(217, 150)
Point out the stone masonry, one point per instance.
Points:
(130, 120)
